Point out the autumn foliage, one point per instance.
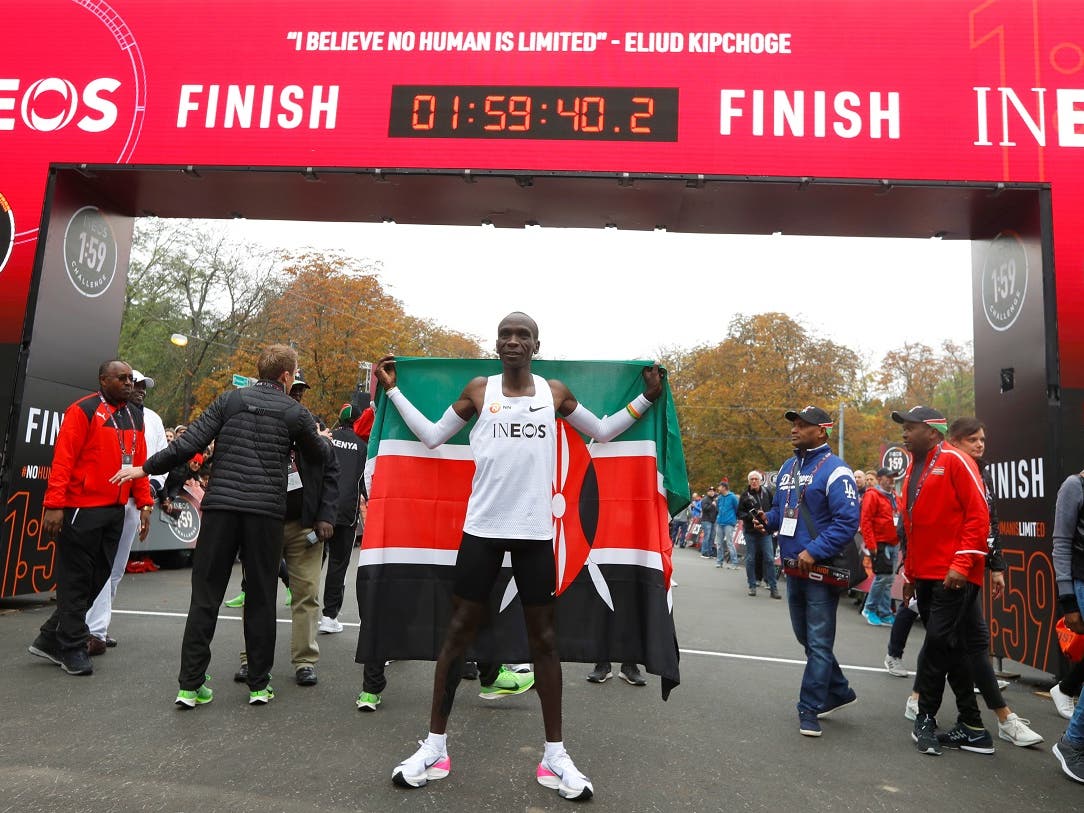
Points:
(335, 311)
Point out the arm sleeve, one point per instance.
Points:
(774, 515)
(363, 426)
(141, 488)
(329, 494)
(429, 433)
(994, 560)
(1066, 512)
(608, 428)
(199, 435)
(865, 520)
(72, 436)
(971, 551)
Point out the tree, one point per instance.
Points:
(335, 311)
(187, 278)
(917, 374)
(731, 397)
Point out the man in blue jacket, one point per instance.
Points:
(816, 514)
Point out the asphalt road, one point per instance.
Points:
(727, 739)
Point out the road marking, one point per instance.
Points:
(704, 652)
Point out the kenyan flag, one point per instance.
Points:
(611, 504)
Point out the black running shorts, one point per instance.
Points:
(479, 563)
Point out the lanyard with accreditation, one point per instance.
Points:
(789, 523)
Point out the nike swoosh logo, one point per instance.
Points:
(534, 409)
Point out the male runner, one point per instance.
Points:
(514, 449)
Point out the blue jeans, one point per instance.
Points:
(879, 600)
(763, 542)
(1075, 732)
(706, 545)
(724, 541)
(813, 616)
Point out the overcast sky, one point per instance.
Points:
(611, 294)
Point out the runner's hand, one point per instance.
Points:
(653, 377)
(385, 372)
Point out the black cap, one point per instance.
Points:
(883, 472)
(922, 414)
(813, 415)
(299, 381)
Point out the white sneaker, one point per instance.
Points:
(329, 625)
(894, 666)
(1065, 704)
(1015, 730)
(560, 774)
(425, 764)
(910, 711)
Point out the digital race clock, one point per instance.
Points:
(544, 112)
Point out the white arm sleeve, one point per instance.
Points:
(429, 433)
(608, 428)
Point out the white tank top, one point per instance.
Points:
(514, 444)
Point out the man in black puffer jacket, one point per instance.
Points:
(243, 508)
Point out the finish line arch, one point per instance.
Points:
(713, 117)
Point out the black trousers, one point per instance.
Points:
(84, 559)
(339, 548)
(952, 619)
(222, 535)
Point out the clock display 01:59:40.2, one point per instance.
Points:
(530, 112)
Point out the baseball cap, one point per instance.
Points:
(883, 472)
(299, 381)
(346, 413)
(812, 414)
(923, 414)
(138, 376)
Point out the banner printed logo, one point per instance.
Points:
(1004, 282)
(90, 252)
(186, 525)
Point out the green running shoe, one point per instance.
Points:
(262, 697)
(368, 702)
(237, 601)
(187, 699)
(507, 683)
(289, 597)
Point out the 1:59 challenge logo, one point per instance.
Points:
(90, 252)
(1004, 280)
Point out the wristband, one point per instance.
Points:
(638, 406)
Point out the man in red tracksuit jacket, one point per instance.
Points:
(946, 520)
(84, 512)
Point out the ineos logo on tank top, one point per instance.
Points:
(519, 430)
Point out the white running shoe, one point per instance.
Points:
(910, 711)
(560, 774)
(1015, 730)
(425, 764)
(895, 667)
(329, 625)
(1065, 704)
